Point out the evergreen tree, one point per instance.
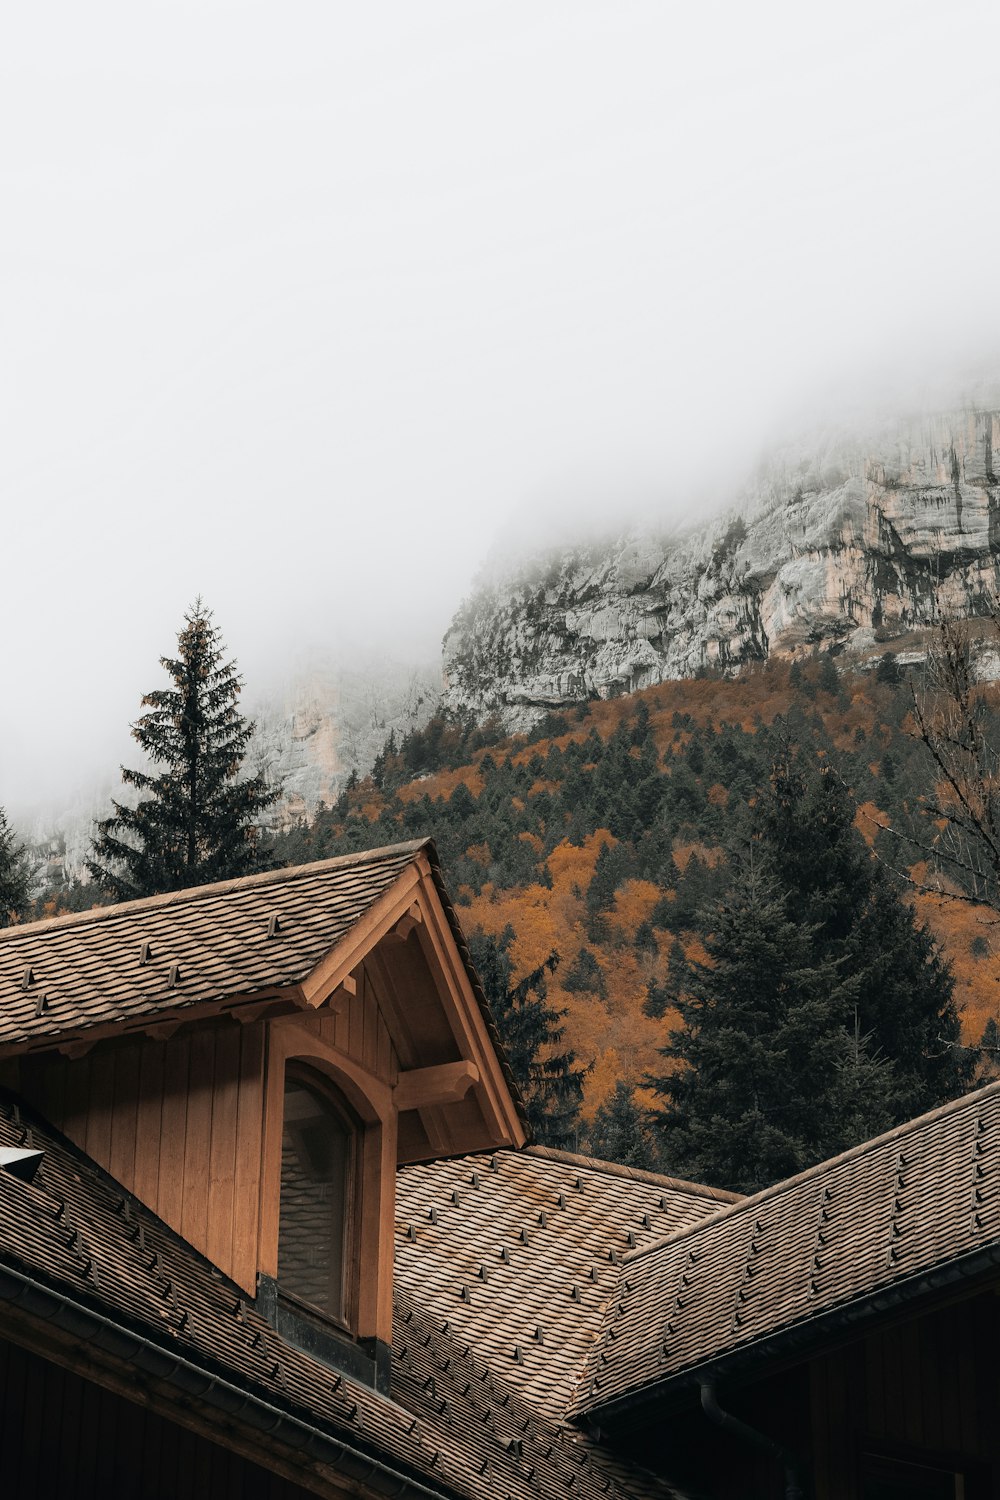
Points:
(764, 1070)
(863, 924)
(550, 1082)
(197, 819)
(15, 875)
(620, 1131)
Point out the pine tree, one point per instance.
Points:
(198, 819)
(763, 1066)
(15, 875)
(863, 924)
(550, 1082)
(620, 1131)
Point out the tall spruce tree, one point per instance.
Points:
(551, 1084)
(198, 818)
(863, 923)
(15, 875)
(765, 1077)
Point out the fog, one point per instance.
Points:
(303, 307)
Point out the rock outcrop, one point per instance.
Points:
(854, 543)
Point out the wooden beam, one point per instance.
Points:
(406, 923)
(345, 956)
(444, 1084)
(347, 987)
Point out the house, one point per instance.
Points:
(271, 1225)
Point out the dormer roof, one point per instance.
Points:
(284, 934)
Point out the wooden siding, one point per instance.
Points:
(63, 1435)
(179, 1121)
(928, 1385)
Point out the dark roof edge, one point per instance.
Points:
(429, 848)
(284, 875)
(750, 1204)
(801, 1335)
(634, 1174)
(236, 1402)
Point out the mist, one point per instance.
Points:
(303, 313)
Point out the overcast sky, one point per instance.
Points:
(301, 304)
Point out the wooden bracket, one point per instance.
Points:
(77, 1049)
(164, 1030)
(407, 922)
(446, 1083)
(347, 987)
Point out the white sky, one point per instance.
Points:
(301, 304)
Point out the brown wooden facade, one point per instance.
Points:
(187, 1113)
(63, 1435)
(913, 1402)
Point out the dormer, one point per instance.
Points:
(253, 1060)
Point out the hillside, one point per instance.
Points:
(599, 833)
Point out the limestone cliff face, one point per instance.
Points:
(852, 542)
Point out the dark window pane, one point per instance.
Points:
(315, 1154)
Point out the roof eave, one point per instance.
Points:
(801, 1338)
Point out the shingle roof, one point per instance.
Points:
(519, 1251)
(452, 1422)
(90, 967)
(925, 1195)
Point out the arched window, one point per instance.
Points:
(317, 1174)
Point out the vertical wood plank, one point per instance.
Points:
(100, 1105)
(170, 1183)
(249, 1125)
(222, 1164)
(149, 1123)
(124, 1115)
(75, 1099)
(198, 1136)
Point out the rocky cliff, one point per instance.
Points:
(851, 541)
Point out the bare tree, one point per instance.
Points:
(956, 720)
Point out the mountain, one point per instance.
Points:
(850, 542)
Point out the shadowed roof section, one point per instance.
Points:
(520, 1250)
(842, 1239)
(86, 1246)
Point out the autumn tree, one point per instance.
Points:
(532, 1033)
(15, 874)
(956, 721)
(198, 817)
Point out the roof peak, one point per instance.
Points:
(821, 1168)
(635, 1174)
(285, 875)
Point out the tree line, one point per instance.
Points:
(804, 1005)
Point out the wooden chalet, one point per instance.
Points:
(271, 1225)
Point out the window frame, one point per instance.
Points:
(299, 1071)
(295, 1039)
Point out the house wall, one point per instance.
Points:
(919, 1387)
(924, 1386)
(180, 1121)
(64, 1436)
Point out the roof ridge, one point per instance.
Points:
(634, 1174)
(283, 875)
(819, 1169)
